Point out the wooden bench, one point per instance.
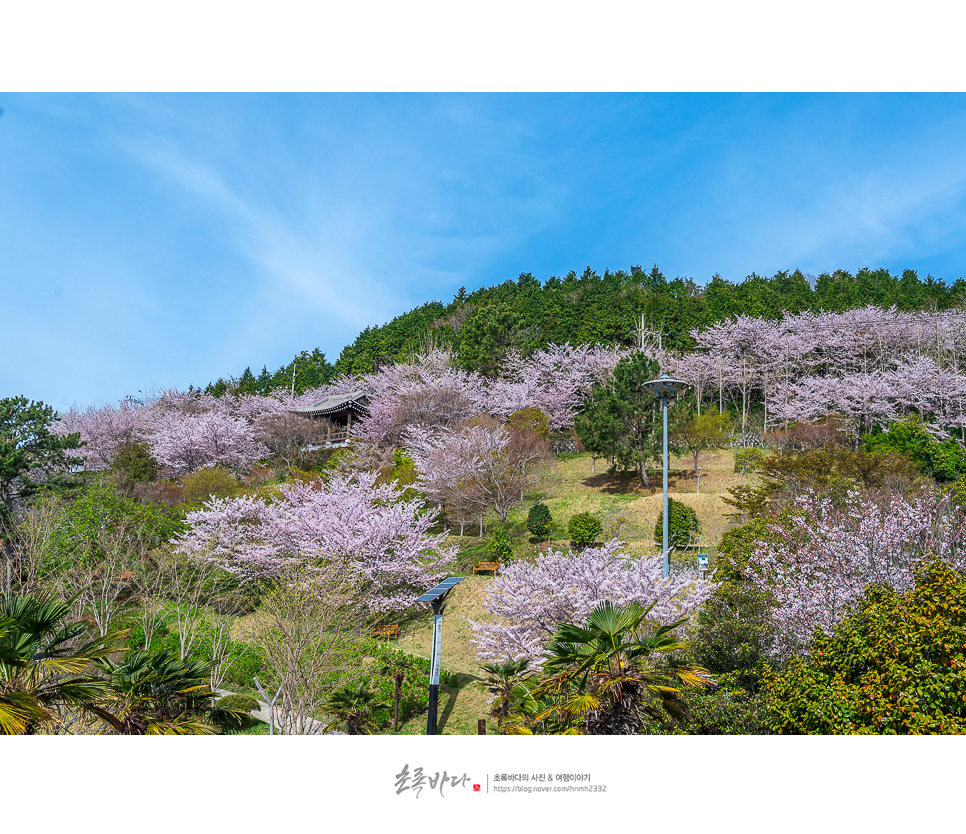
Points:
(389, 630)
(493, 566)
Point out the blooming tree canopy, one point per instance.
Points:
(530, 599)
(822, 559)
(383, 540)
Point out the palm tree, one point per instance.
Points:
(156, 693)
(603, 678)
(500, 681)
(43, 661)
(396, 665)
(530, 713)
(355, 706)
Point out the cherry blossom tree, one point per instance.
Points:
(381, 539)
(104, 429)
(490, 466)
(556, 380)
(182, 443)
(817, 564)
(529, 599)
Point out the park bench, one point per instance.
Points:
(388, 630)
(493, 566)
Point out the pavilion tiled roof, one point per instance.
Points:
(355, 401)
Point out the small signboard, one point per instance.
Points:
(703, 565)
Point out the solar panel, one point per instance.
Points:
(440, 589)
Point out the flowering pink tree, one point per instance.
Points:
(381, 539)
(529, 599)
(104, 430)
(868, 363)
(429, 391)
(556, 380)
(182, 443)
(825, 556)
(486, 467)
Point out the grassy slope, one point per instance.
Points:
(627, 511)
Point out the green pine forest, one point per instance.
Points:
(524, 314)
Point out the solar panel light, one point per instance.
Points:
(435, 596)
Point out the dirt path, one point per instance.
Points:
(264, 714)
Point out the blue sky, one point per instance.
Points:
(166, 240)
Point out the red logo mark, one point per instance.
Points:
(476, 787)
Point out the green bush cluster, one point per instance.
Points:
(498, 548)
(895, 666)
(539, 521)
(239, 701)
(682, 524)
(943, 461)
(584, 529)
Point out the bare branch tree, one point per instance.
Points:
(306, 625)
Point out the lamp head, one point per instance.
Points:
(665, 386)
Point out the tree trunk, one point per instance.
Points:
(644, 479)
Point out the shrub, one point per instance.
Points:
(584, 529)
(210, 482)
(233, 713)
(539, 521)
(498, 548)
(722, 711)
(530, 419)
(897, 665)
(135, 464)
(943, 461)
(682, 524)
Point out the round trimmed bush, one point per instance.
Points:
(682, 524)
(584, 529)
(539, 521)
(498, 548)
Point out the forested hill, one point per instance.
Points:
(607, 308)
(483, 325)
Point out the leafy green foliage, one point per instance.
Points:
(622, 422)
(134, 464)
(584, 529)
(306, 371)
(733, 632)
(210, 482)
(530, 419)
(830, 471)
(682, 524)
(498, 548)
(539, 521)
(239, 701)
(500, 680)
(605, 678)
(44, 664)
(943, 461)
(156, 693)
(702, 433)
(589, 307)
(748, 460)
(896, 665)
(723, 710)
(80, 531)
(28, 447)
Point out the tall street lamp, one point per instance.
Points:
(666, 389)
(436, 597)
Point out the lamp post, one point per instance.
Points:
(436, 597)
(665, 388)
